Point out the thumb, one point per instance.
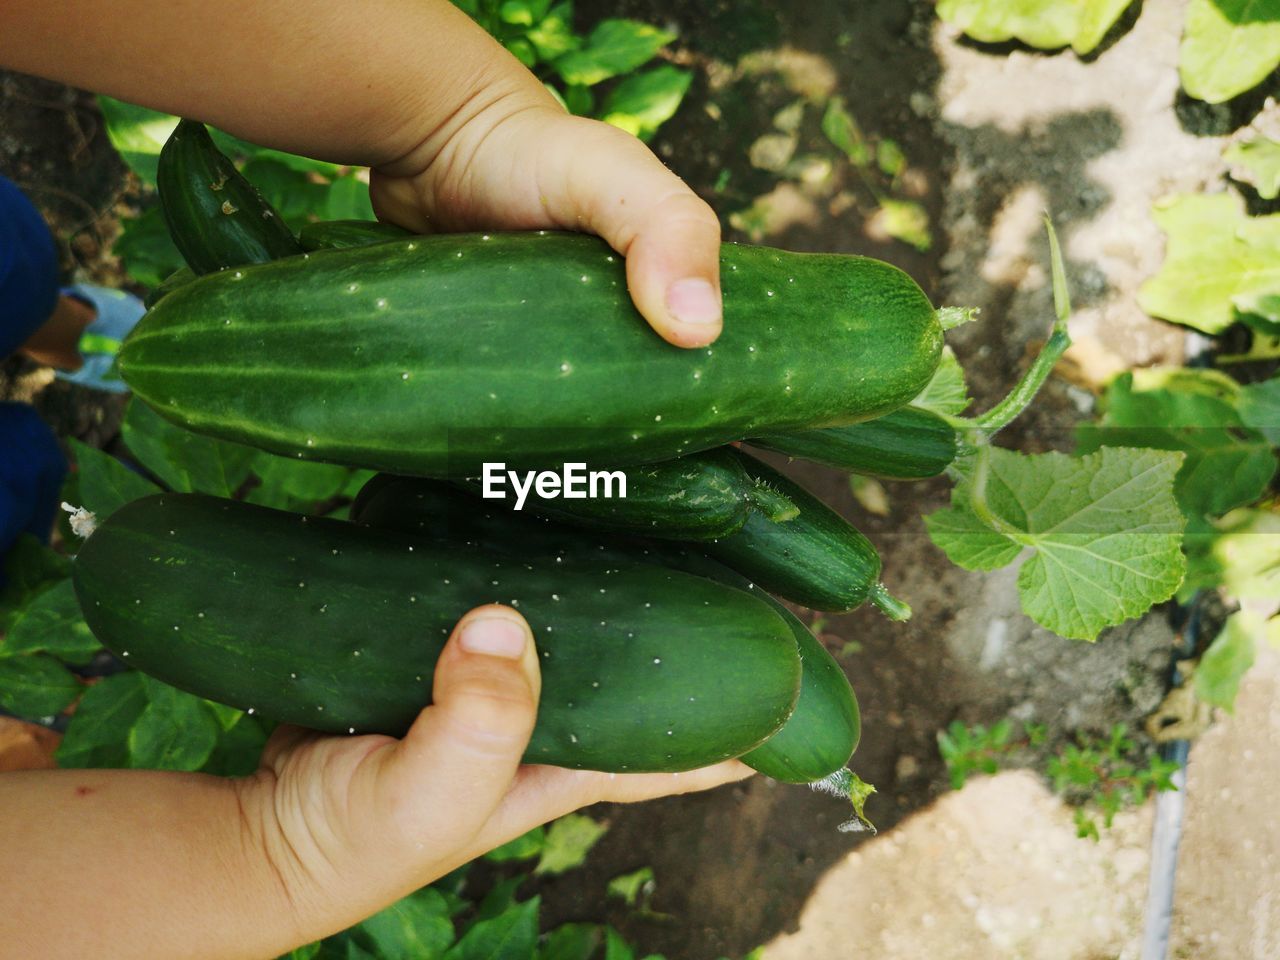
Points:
(453, 767)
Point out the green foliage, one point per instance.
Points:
(1230, 655)
(1217, 257)
(631, 887)
(568, 841)
(1228, 47)
(1104, 530)
(946, 393)
(1048, 24)
(36, 686)
(52, 624)
(642, 103)
(1256, 161)
(971, 750)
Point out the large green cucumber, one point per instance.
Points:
(337, 627)
(216, 217)
(699, 497)
(437, 354)
(339, 234)
(910, 443)
(819, 559)
(821, 733)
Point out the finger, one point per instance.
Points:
(452, 769)
(540, 794)
(597, 178)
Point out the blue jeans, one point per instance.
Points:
(31, 465)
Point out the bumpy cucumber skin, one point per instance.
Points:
(340, 234)
(337, 627)
(216, 217)
(910, 443)
(699, 497)
(822, 732)
(433, 356)
(818, 560)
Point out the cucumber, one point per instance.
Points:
(822, 732)
(819, 559)
(699, 497)
(437, 354)
(179, 277)
(337, 627)
(338, 234)
(216, 217)
(910, 443)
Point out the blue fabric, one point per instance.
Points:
(28, 269)
(31, 471)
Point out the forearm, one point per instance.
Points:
(361, 83)
(131, 863)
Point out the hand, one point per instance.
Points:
(349, 824)
(517, 161)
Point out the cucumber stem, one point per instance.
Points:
(849, 786)
(893, 608)
(774, 504)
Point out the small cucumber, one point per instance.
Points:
(337, 627)
(434, 355)
(822, 732)
(819, 559)
(339, 234)
(910, 443)
(216, 217)
(699, 497)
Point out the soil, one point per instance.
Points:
(992, 136)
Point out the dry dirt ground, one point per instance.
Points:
(992, 872)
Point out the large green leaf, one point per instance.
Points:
(416, 927)
(347, 199)
(106, 484)
(51, 623)
(512, 935)
(615, 47)
(1229, 657)
(1104, 531)
(185, 461)
(1192, 411)
(145, 248)
(138, 134)
(642, 103)
(176, 731)
(289, 483)
(1215, 253)
(1228, 47)
(36, 686)
(1259, 407)
(99, 731)
(1047, 24)
(30, 568)
(569, 840)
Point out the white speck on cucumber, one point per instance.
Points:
(381, 303)
(411, 246)
(352, 287)
(200, 615)
(573, 738)
(768, 293)
(657, 660)
(293, 676)
(555, 596)
(124, 653)
(239, 275)
(566, 368)
(412, 598)
(405, 375)
(175, 627)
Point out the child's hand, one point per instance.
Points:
(348, 824)
(517, 161)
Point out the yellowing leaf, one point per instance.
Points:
(1047, 24)
(1228, 47)
(1256, 162)
(1229, 657)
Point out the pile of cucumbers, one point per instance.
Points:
(661, 645)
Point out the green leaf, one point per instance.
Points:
(1256, 162)
(512, 935)
(905, 220)
(1259, 408)
(176, 731)
(842, 130)
(239, 748)
(1104, 531)
(553, 36)
(138, 134)
(1226, 465)
(1229, 657)
(615, 47)
(616, 947)
(348, 199)
(1215, 253)
(1246, 551)
(524, 847)
(1047, 24)
(30, 568)
(145, 248)
(288, 484)
(52, 623)
(642, 103)
(946, 393)
(416, 927)
(36, 686)
(1228, 47)
(185, 461)
(99, 731)
(294, 194)
(629, 886)
(106, 484)
(568, 841)
(571, 941)
(890, 158)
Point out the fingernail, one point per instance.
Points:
(493, 637)
(693, 300)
